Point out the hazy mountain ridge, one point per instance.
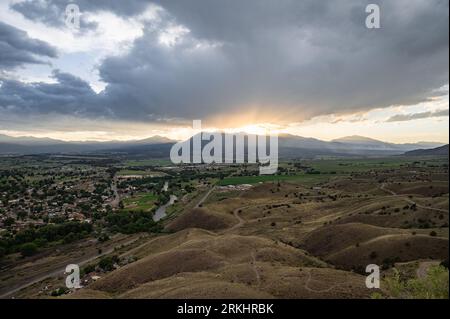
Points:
(289, 145)
(34, 145)
(31, 140)
(369, 143)
(442, 150)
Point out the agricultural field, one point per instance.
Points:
(147, 162)
(300, 178)
(137, 172)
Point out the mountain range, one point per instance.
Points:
(289, 146)
(439, 151)
(35, 145)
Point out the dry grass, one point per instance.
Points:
(201, 218)
(401, 248)
(287, 241)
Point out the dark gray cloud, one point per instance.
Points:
(16, 48)
(303, 58)
(296, 59)
(70, 95)
(417, 116)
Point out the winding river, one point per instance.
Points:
(161, 211)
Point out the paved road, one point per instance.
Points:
(116, 201)
(205, 197)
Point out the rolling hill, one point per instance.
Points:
(442, 150)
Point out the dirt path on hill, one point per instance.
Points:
(410, 201)
(255, 269)
(241, 221)
(321, 290)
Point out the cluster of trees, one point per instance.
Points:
(150, 183)
(13, 186)
(107, 263)
(31, 239)
(163, 198)
(132, 222)
(153, 185)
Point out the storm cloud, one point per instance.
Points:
(296, 59)
(16, 48)
(417, 116)
(70, 95)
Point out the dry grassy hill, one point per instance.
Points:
(201, 218)
(355, 245)
(203, 253)
(387, 249)
(330, 239)
(287, 240)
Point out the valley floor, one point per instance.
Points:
(285, 239)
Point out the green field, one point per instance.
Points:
(335, 167)
(308, 179)
(149, 162)
(361, 165)
(144, 201)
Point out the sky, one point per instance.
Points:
(138, 68)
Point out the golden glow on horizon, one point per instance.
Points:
(432, 130)
(373, 124)
(258, 129)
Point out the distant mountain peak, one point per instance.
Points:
(438, 151)
(28, 140)
(156, 139)
(356, 138)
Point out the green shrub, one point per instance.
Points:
(88, 269)
(28, 249)
(433, 286)
(132, 222)
(59, 291)
(107, 263)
